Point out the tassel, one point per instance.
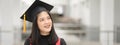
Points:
(24, 24)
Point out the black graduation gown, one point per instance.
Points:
(44, 41)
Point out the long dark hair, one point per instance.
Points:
(35, 34)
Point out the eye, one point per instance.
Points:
(41, 19)
(48, 17)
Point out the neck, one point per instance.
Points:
(44, 33)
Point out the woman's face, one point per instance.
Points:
(44, 22)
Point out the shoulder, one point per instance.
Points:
(62, 41)
(27, 42)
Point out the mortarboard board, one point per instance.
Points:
(28, 14)
(35, 4)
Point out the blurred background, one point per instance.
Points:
(79, 22)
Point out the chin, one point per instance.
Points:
(48, 30)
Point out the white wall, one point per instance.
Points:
(117, 21)
(107, 22)
(94, 20)
(9, 19)
(117, 12)
(56, 2)
(95, 13)
(0, 20)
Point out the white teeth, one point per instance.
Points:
(47, 26)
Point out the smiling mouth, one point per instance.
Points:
(47, 26)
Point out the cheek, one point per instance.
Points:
(50, 22)
(39, 24)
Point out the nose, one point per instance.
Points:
(46, 21)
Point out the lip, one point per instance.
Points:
(47, 26)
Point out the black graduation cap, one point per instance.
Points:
(28, 14)
(35, 4)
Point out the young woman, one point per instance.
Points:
(43, 32)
